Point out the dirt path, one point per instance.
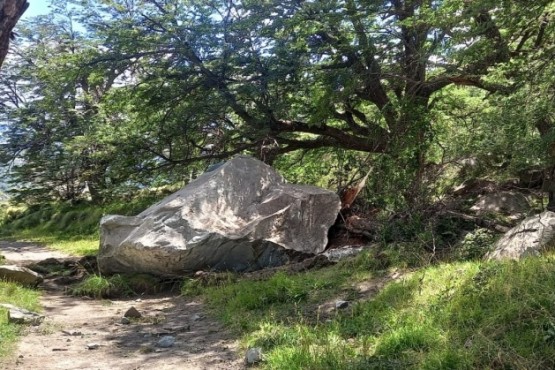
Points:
(89, 334)
(23, 253)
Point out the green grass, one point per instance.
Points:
(18, 296)
(73, 229)
(64, 220)
(72, 245)
(467, 315)
(119, 285)
(96, 286)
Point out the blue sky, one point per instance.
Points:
(36, 7)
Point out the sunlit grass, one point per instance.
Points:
(465, 315)
(77, 247)
(102, 287)
(72, 245)
(21, 297)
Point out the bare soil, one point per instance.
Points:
(80, 333)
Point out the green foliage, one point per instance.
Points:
(70, 228)
(118, 286)
(195, 286)
(66, 220)
(96, 286)
(277, 290)
(275, 298)
(326, 86)
(476, 244)
(420, 238)
(327, 168)
(454, 316)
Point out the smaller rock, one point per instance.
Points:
(196, 317)
(200, 274)
(177, 328)
(505, 202)
(253, 356)
(339, 305)
(166, 341)
(21, 275)
(336, 255)
(91, 346)
(125, 321)
(132, 313)
(73, 333)
(18, 315)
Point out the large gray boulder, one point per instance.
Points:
(240, 216)
(21, 275)
(529, 238)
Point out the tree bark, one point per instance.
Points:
(10, 12)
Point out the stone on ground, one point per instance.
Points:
(253, 356)
(133, 313)
(91, 346)
(166, 341)
(529, 238)
(17, 315)
(241, 216)
(21, 275)
(339, 305)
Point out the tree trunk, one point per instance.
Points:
(10, 12)
(545, 128)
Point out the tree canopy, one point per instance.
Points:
(133, 92)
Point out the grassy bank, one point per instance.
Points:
(467, 315)
(69, 228)
(18, 296)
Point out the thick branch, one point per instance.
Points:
(376, 143)
(440, 82)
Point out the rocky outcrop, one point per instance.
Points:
(21, 275)
(505, 202)
(240, 216)
(529, 238)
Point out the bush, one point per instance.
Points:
(97, 286)
(476, 244)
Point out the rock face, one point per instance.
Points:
(527, 239)
(240, 216)
(20, 275)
